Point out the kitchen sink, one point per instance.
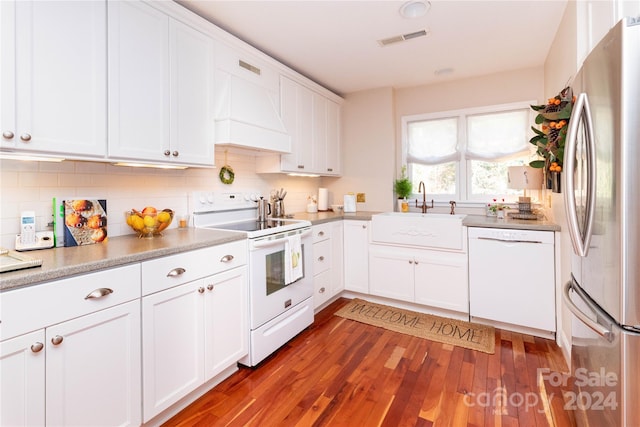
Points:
(430, 230)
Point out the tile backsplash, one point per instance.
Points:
(32, 186)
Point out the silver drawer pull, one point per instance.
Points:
(176, 272)
(56, 340)
(321, 233)
(226, 258)
(99, 293)
(37, 347)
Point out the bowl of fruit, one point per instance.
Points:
(149, 222)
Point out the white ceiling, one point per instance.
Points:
(335, 42)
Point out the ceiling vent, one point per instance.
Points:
(403, 37)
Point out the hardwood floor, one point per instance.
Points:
(339, 372)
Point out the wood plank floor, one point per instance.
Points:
(339, 372)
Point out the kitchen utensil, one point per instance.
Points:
(264, 209)
(278, 209)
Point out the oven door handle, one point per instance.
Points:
(274, 242)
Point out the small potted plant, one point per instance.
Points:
(403, 189)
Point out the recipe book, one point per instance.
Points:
(80, 221)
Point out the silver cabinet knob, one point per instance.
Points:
(410, 261)
(176, 272)
(7, 134)
(321, 258)
(37, 347)
(56, 340)
(167, 153)
(364, 226)
(201, 290)
(210, 287)
(25, 137)
(321, 233)
(175, 154)
(99, 293)
(321, 290)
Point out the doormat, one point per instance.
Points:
(450, 331)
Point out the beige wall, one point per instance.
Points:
(368, 149)
(372, 134)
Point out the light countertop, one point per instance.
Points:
(58, 263)
(520, 224)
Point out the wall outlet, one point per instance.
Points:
(360, 198)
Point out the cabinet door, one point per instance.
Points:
(296, 103)
(172, 343)
(226, 330)
(7, 74)
(337, 257)
(22, 392)
(138, 82)
(192, 125)
(441, 280)
(356, 256)
(319, 133)
(333, 165)
(391, 272)
(60, 77)
(93, 369)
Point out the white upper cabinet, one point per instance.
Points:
(313, 121)
(160, 102)
(53, 81)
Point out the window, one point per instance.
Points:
(464, 155)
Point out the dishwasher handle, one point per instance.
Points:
(495, 239)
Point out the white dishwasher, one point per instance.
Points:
(512, 277)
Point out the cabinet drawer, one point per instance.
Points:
(321, 232)
(166, 272)
(322, 288)
(35, 307)
(321, 256)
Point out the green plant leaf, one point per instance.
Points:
(538, 164)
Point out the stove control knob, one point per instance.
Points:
(210, 198)
(202, 199)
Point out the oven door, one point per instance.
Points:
(269, 295)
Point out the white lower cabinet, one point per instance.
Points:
(93, 373)
(327, 261)
(356, 255)
(22, 393)
(190, 333)
(434, 278)
(70, 351)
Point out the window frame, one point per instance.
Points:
(463, 164)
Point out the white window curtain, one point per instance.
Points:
(489, 136)
(497, 135)
(432, 142)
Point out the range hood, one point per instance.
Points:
(247, 116)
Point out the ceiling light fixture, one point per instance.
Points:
(414, 9)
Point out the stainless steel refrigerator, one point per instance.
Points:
(602, 199)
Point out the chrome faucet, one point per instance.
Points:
(422, 190)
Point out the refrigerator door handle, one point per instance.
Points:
(584, 318)
(580, 241)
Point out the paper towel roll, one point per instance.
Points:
(323, 199)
